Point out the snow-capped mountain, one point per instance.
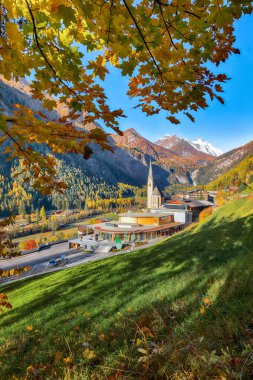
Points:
(184, 148)
(206, 147)
(187, 148)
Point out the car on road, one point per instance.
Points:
(58, 262)
(52, 262)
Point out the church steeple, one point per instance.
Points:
(150, 188)
(150, 173)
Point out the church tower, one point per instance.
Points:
(150, 187)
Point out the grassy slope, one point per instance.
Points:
(120, 304)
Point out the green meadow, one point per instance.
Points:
(181, 309)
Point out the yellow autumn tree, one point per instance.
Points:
(66, 48)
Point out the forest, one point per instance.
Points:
(19, 197)
(237, 176)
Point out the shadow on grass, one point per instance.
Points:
(217, 259)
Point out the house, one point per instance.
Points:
(180, 212)
(196, 194)
(192, 205)
(88, 244)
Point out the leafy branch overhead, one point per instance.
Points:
(67, 47)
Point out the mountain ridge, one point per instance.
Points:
(184, 148)
(133, 152)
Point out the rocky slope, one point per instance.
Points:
(121, 166)
(222, 164)
(175, 160)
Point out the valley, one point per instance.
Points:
(152, 298)
(176, 162)
(126, 190)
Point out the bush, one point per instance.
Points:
(205, 213)
(29, 244)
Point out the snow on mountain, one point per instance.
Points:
(206, 147)
(185, 147)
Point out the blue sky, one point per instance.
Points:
(225, 126)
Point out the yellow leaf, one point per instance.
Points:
(88, 354)
(67, 360)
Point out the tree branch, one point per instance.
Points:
(143, 38)
(110, 21)
(44, 56)
(162, 76)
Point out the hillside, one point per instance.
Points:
(113, 168)
(168, 162)
(243, 172)
(99, 176)
(83, 176)
(131, 139)
(222, 164)
(180, 310)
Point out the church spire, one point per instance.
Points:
(150, 173)
(150, 187)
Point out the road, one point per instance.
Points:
(38, 261)
(32, 259)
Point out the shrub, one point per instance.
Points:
(205, 213)
(29, 244)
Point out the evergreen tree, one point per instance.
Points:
(21, 209)
(37, 215)
(28, 218)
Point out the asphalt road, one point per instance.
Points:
(43, 256)
(38, 261)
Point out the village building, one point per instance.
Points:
(196, 194)
(156, 221)
(137, 226)
(193, 206)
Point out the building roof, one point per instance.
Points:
(135, 229)
(188, 202)
(175, 207)
(207, 203)
(156, 214)
(156, 191)
(198, 203)
(83, 241)
(195, 190)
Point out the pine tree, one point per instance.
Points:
(37, 215)
(28, 218)
(21, 209)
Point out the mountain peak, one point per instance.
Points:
(205, 147)
(198, 150)
(130, 131)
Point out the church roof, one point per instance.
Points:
(156, 191)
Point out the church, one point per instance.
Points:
(154, 197)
